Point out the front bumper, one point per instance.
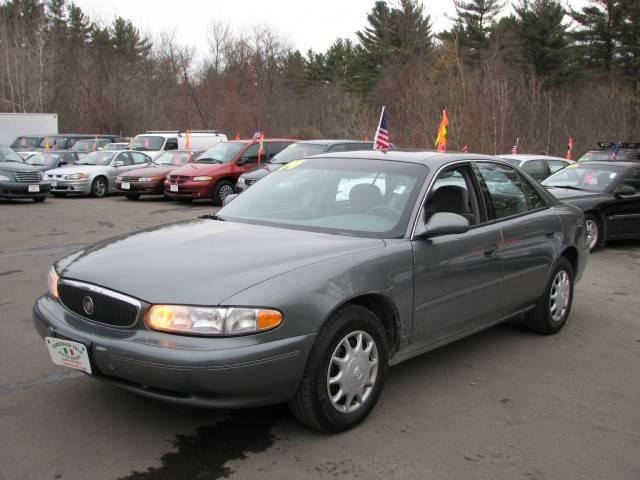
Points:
(190, 189)
(21, 190)
(70, 186)
(149, 188)
(231, 372)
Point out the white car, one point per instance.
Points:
(95, 173)
(537, 166)
(154, 143)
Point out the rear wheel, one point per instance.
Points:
(345, 372)
(99, 187)
(552, 310)
(132, 196)
(221, 191)
(594, 231)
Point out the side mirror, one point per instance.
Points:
(242, 160)
(625, 191)
(118, 163)
(443, 223)
(228, 199)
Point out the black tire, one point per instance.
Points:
(99, 187)
(311, 404)
(593, 224)
(132, 196)
(540, 319)
(221, 190)
(58, 194)
(39, 199)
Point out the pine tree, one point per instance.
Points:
(630, 40)
(474, 23)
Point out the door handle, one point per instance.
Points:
(550, 234)
(491, 251)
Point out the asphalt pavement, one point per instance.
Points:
(503, 404)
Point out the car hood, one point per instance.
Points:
(71, 169)
(567, 193)
(151, 171)
(202, 261)
(16, 167)
(193, 169)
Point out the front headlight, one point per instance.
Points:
(4, 178)
(203, 178)
(149, 179)
(53, 283)
(76, 176)
(241, 181)
(212, 321)
(118, 178)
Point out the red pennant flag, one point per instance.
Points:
(238, 136)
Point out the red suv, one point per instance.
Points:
(214, 173)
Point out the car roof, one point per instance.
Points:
(609, 163)
(532, 156)
(429, 158)
(334, 141)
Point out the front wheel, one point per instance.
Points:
(99, 187)
(221, 191)
(552, 310)
(345, 372)
(594, 231)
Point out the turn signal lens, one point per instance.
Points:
(202, 178)
(53, 283)
(211, 321)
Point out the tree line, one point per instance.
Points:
(532, 70)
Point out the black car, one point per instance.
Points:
(613, 152)
(297, 151)
(19, 180)
(608, 193)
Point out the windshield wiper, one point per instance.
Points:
(568, 187)
(213, 217)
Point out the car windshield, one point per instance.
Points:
(224, 152)
(298, 150)
(97, 158)
(86, 145)
(53, 142)
(45, 158)
(147, 142)
(602, 155)
(368, 198)
(26, 142)
(8, 155)
(116, 146)
(589, 177)
(176, 158)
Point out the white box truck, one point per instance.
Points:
(27, 125)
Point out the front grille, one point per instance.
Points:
(250, 181)
(28, 177)
(130, 179)
(110, 308)
(178, 179)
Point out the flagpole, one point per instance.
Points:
(375, 137)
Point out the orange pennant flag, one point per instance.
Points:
(441, 139)
(238, 136)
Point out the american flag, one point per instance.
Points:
(514, 149)
(381, 138)
(257, 134)
(616, 151)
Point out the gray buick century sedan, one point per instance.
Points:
(373, 258)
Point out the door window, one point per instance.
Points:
(139, 158)
(359, 146)
(172, 144)
(250, 155)
(633, 179)
(125, 158)
(535, 168)
(274, 148)
(506, 194)
(534, 198)
(555, 165)
(453, 192)
(338, 148)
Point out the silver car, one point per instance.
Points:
(538, 166)
(94, 174)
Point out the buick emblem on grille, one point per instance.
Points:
(87, 305)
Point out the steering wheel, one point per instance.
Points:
(385, 211)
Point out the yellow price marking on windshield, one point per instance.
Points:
(292, 165)
(573, 165)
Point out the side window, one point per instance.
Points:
(250, 155)
(506, 195)
(139, 157)
(274, 148)
(125, 158)
(453, 192)
(534, 199)
(555, 165)
(171, 144)
(352, 147)
(535, 168)
(633, 179)
(341, 147)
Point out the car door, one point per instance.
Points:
(531, 232)
(119, 164)
(456, 277)
(623, 214)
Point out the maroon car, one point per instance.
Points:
(150, 180)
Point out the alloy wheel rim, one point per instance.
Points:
(225, 191)
(560, 296)
(352, 371)
(592, 233)
(100, 187)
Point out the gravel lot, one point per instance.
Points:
(504, 404)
